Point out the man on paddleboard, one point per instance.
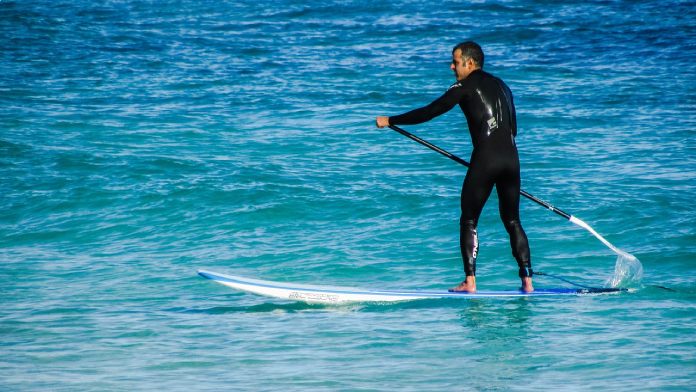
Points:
(490, 114)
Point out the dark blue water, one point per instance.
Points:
(140, 141)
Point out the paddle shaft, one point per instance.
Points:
(467, 164)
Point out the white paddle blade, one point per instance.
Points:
(628, 271)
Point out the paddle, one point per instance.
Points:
(627, 265)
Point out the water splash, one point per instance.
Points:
(628, 272)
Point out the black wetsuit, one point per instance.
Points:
(490, 113)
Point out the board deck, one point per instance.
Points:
(339, 295)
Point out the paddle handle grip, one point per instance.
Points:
(459, 160)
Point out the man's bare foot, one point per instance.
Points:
(468, 285)
(527, 285)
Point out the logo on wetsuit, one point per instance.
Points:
(492, 125)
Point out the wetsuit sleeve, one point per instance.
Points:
(437, 107)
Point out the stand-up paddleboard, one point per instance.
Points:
(340, 295)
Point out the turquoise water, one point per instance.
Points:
(141, 141)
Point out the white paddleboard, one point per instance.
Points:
(342, 295)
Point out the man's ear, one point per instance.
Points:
(470, 63)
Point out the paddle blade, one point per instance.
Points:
(628, 271)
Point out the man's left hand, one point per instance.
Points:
(382, 121)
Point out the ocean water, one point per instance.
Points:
(141, 141)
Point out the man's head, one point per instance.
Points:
(466, 58)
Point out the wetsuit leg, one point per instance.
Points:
(508, 188)
(475, 191)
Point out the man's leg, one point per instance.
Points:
(475, 191)
(509, 203)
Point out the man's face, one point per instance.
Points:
(461, 67)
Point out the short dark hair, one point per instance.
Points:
(472, 50)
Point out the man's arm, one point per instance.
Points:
(439, 106)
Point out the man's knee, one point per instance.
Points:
(467, 223)
(512, 226)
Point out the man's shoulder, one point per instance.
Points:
(470, 81)
(457, 84)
